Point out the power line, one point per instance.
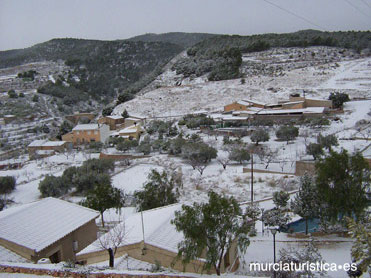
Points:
(358, 9)
(294, 14)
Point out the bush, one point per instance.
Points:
(12, 94)
(338, 99)
(107, 111)
(159, 191)
(239, 154)
(95, 146)
(162, 128)
(126, 145)
(124, 97)
(314, 149)
(287, 133)
(196, 121)
(259, 135)
(7, 184)
(52, 186)
(35, 98)
(144, 148)
(100, 166)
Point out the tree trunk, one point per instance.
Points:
(101, 215)
(111, 257)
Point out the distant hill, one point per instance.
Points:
(103, 68)
(220, 56)
(184, 39)
(352, 40)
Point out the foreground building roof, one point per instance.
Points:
(39, 224)
(158, 230)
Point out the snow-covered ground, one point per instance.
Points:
(352, 76)
(318, 78)
(133, 178)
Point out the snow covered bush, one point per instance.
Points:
(308, 254)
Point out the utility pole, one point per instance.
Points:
(144, 243)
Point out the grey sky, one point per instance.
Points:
(27, 22)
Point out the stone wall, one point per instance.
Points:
(121, 156)
(303, 167)
(76, 274)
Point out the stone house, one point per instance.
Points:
(113, 121)
(50, 228)
(131, 132)
(75, 118)
(152, 238)
(53, 147)
(86, 133)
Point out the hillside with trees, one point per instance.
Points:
(99, 68)
(223, 52)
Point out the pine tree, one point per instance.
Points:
(280, 199)
(305, 202)
(125, 114)
(103, 197)
(342, 181)
(211, 228)
(160, 190)
(361, 249)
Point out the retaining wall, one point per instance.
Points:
(76, 274)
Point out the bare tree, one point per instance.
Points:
(112, 240)
(269, 157)
(223, 160)
(200, 167)
(306, 135)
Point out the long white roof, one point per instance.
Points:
(46, 143)
(38, 225)
(309, 110)
(158, 231)
(115, 117)
(86, 127)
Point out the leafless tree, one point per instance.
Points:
(282, 165)
(223, 160)
(200, 167)
(269, 157)
(112, 240)
(306, 135)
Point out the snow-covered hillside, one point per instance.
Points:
(277, 74)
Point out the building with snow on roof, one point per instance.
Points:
(113, 121)
(38, 148)
(130, 132)
(295, 107)
(86, 133)
(116, 122)
(153, 240)
(49, 228)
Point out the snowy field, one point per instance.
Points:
(318, 78)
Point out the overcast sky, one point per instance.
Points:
(26, 22)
